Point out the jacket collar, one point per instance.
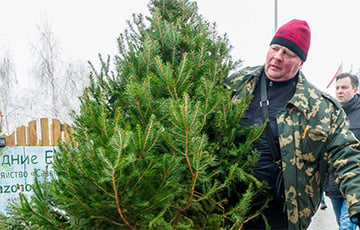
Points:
(303, 92)
(353, 104)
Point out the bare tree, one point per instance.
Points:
(7, 82)
(74, 77)
(63, 80)
(46, 57)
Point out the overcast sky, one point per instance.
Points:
(85, 28)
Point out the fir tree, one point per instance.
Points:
(157, 143)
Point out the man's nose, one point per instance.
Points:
(278, 54)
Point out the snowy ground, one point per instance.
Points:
(324, 219)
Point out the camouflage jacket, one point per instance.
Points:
(314, 141)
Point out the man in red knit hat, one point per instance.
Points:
(306, 138)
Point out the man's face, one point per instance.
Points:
(281, 63)
(344, 90)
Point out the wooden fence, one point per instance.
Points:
(39, 133)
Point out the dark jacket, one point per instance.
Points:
(314, 139)
(352, 110)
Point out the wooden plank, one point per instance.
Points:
(10, 140)
(32, 134)
(55, 131)
(21, 136)
(68, 131)
(45, 140)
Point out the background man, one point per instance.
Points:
(346, 93)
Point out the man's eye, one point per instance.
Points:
(289, 54)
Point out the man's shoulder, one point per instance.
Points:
(357, 102)
(242, 75)
(316, 93)
(331, 99)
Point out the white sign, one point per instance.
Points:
(18, 167)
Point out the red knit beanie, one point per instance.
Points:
(295, 35)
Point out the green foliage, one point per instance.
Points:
(42, 213)
(156, 144)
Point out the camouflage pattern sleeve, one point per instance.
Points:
(344, 150)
